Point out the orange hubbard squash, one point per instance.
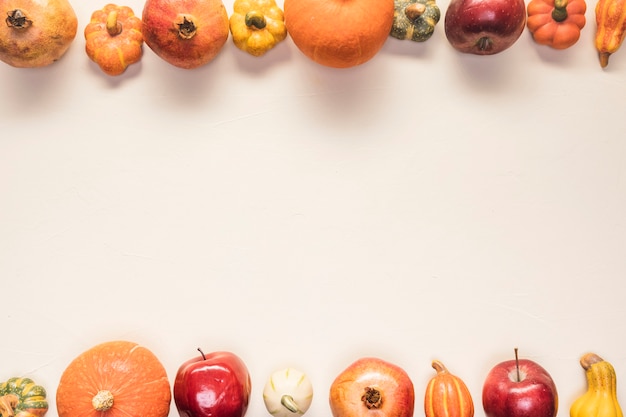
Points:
(447, 395)
(556, 23)
(114, 379)
(339, 33)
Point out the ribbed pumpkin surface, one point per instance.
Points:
(131, 373)
(339, 33)
(447, 395)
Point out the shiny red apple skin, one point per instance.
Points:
(534, 396)
(215, 384)
(484, 27)
(348, 388)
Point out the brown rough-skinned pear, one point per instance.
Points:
(36, 33)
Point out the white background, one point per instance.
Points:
(427, 204)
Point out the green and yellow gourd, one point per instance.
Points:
(21, 397)
(415, 19)
(600, 400)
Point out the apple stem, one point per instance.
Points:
(202, 353)
(517, 366)
(372, 398)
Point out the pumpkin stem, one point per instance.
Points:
(255, 19)
(7, 405)
(114, 27)
(439, 367)
(372, 398)
(559, 13)
(187, 28)
(288, 402)
(589, 359)
(484, 44)
(102, 401)
(604, 59)
(414, 10)
(16, 19)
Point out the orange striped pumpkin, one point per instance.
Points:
(447, 395)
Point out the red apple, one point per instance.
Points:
(216, 384)
(372, 387)
(519, 388)
(484, 27)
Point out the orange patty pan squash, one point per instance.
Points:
(556, 23)
(113, 39)
(257, 25)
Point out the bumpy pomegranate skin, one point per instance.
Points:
(36, 33)
(185, 33)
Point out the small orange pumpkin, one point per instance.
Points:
(114, 379)
(556, 23)
(339, 33)
(114, 39)
(447, 395)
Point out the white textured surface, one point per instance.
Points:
(425, 205)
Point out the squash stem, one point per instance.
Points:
(288, 402)
(7, 405)
(16, 19)
(589, 359)
(604, 59)
(439, 367)
(559, 13)
(414, 10)
(102, 401)
(255, 20)
(114, 27)
(372, 398)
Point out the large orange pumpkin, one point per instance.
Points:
(339, 33)
(114, 379)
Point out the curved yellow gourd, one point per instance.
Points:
(600, 400)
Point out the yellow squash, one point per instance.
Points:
(600, 400)
(257, 25)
